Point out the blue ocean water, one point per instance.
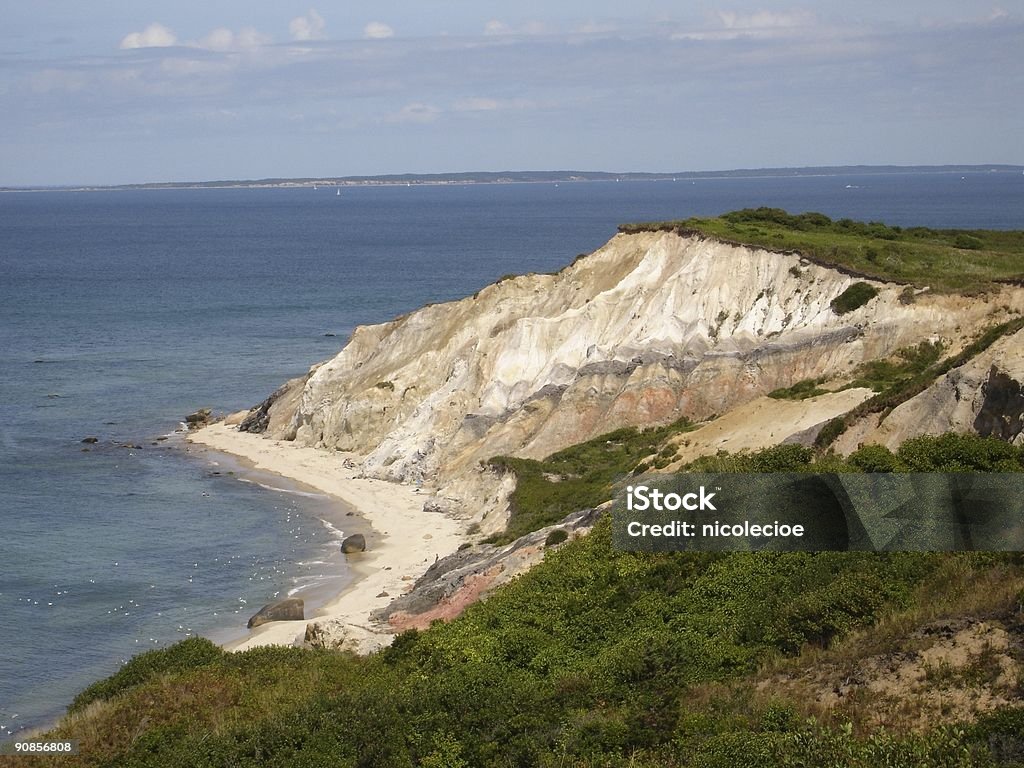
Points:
(122, 311)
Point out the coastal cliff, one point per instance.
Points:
(543, 642)
(654, 326)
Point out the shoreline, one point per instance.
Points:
(402, 539)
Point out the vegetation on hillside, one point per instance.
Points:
(599, 657)
(898, 382)
(799, 391)
(965, 261)
(580, 476)
(594, 658)
(880, 375)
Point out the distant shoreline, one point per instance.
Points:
(527, 177)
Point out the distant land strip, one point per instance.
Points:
(513, 177)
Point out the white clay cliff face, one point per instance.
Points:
(649, 328)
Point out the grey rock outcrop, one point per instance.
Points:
(463, 577)
(1002, 407)
(198, 418)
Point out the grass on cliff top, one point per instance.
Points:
(596, 657)
(949, 260)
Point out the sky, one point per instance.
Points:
(126, 91)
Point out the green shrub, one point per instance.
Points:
(188, 654)
(557, 536)
(799, 391)
(782, 458)
(854, 297)
(874, 458)
(968, 242)
(830, 432)
(1002, 731)
(954, 452)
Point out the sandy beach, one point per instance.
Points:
(404, 542)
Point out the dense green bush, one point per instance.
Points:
(188, 654)
(854, 297)
(556, 537)
(799, 391)
(873, 458)
(953, 452)
(968, 242)
(591, 658)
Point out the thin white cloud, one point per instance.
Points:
(596, 28)
(477, 104)
(761, 20)
(250, 37)
(416, 112)
(220, 39)
(733, 25)
(485, 104)
(156, 35)
(308, 27)
(495, 27)
(223, 39)
(377, 30)
(53, 79)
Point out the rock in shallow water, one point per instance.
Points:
(354, 543)
(292, 609)
(198, 419)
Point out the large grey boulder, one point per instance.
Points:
(354, 543)
(292, 609)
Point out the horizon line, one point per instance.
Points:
(520, 176)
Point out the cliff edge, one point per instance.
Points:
(654, 326)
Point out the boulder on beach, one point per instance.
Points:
(292, 609)
(354, 543)
(338, 635)
(198, 419)
(236, 418)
